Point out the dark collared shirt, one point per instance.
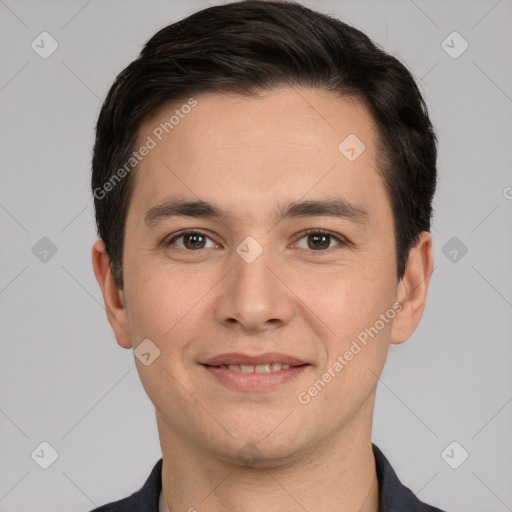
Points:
(393, 496)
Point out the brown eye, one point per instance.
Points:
(192, 240)
(318, 240)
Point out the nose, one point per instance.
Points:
(254, 295)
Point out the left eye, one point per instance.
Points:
(319, 240)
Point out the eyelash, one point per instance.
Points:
(342, 241)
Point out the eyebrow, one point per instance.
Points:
(336, 207)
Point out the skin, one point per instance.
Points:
(247, 155)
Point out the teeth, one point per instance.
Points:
(259, 368)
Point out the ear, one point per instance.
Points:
(412, 289)
(112, 295)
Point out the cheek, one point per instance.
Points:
(348, 299)
(160, 307)
(356, 344)
(158, 300)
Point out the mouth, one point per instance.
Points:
(243, 372)
(258, 368)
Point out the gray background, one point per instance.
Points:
(63, 378)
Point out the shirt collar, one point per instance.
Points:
(393, 495)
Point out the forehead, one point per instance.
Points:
(255, 149)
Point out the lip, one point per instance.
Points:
(253, 382)
(240, 358)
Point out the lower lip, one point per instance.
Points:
(254, 381)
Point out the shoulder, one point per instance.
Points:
(393, 495)
(128, 504)
(143, 500)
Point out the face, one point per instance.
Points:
(274, 310)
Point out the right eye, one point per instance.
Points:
(192, 240)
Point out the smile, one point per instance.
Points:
(258, 368)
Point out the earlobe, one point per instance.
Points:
(412, 289)
(113, 297)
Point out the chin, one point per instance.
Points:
(258, 451)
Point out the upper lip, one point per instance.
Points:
(239, 358)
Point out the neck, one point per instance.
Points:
(338, 475)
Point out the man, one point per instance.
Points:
(263, 177)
